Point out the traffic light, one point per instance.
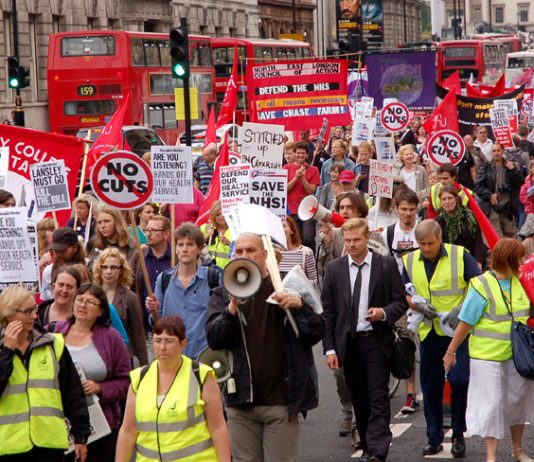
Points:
(13, 72)
(179, 52)
(24, 73)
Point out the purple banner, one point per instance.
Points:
(409, 77)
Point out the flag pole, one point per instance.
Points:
(84, 166)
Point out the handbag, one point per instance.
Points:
(522, 337)
(403, 359)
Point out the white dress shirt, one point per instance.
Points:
(363, 325)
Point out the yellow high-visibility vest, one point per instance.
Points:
(176, 430)
(31, 410)
(436, 201)
(446, 289)
(219, 251)
(490, 338)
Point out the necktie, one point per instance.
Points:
(356, 300)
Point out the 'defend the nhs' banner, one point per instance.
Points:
(299, 94)
(408, 77)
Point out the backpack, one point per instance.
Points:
(214, 275)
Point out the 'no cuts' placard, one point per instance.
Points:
(172, 167)
(395, 116)
(262, 145)
(49, 180)
(445, 146)
(123, 180)
(18, 258)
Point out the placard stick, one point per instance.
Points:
(173, 242)
(86, 148)
(54, 217)
(141, 254)
(272, 267)
(87, 232)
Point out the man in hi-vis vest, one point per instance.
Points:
(440, 273)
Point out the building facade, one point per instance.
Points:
(37, 19)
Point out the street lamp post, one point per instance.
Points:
(294, 22)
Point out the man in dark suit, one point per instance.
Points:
(362, 297)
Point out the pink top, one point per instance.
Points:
(295, 196)
(188, 212)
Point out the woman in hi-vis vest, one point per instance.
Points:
(174, 408)
(498, 396)
(39, 387)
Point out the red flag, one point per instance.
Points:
(453, 83)
(111, 137)
(444, 117)
(214, 190)
(472, 92)
(485, 225)
(27, 147)
(485, 91)
(211, 131)
(230, 97)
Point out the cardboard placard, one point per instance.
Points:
(268, 188)
(49, 180)
(172, 167)
(234, 186)
(381, 179)
(262, 145)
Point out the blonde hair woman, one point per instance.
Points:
(113, 273)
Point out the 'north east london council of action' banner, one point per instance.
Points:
(299, 94)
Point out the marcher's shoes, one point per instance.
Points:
(346, 426)
(519, 455)
(364, 457)
(375, 459)
(430, 450)
(458, 447)
(409, 405)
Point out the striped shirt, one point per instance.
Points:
(203, 176)
(303, 257)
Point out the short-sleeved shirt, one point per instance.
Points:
(295, 196)
(475, 304)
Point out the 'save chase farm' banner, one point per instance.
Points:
(299, 94)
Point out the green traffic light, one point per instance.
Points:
(13, 82)
(179, 70)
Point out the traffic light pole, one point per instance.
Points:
(19, 111)
(187, 99)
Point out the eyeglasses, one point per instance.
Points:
(150, 230)
(86, 302)
(110, 267)
(28, 312)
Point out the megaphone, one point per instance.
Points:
(310, 208)
(219, 360)
(242, 278)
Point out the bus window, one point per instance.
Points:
(104, 106)
(164, 52)
(291, 53)
(459, 52)
(169, 116)
(155, 116)
(137, 53)
(281, 53)
(522, 62)
(151, 52)
(264, 53)
(306, 53)
(102, 45)
(204, 55)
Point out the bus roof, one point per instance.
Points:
(225, 41)
(521, 54)
(94, 32)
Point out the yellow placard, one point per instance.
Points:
(179, 103)
(299, 37)
(303, 101)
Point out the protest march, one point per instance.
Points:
(173, 304)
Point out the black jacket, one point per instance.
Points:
(486, 185)
(226, 331)
(72, 394)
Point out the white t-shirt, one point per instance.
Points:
(401, 240)
(409, 179)
(485, 148)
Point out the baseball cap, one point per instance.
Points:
(63, 238)
(347, 176)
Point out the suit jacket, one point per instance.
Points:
(385, 291)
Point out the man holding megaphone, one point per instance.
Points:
(273, 368)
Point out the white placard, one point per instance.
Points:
(262, 145)
(4, 164)
(268, 188)
(172, 167)
(509, 105)
(234, 186)
(385, 148)
(49, 181)
(380, 131)
(381, 179)
(18, 259)
(362, 130)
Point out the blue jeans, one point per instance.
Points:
(433, 348)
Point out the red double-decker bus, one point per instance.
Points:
(90, 72)
(250, 51)
(481, 60)
(511, 42)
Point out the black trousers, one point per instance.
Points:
(36, 455)
(367, 372)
